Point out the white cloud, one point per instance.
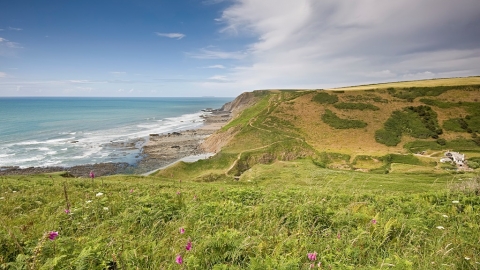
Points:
(307, 43)
(212, 2)
(3, 75)
(216, 66)
(15, 29)
(219, 78)
(171, 35)
(217, 54)
(118, 73)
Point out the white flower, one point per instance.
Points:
(89, 201)
(467, 258)
(99, 194)
(455, 201)
(105, 208)
(14, 191)
(440, 228)
(445, 216)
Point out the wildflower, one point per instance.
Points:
(374, 221)
(338, 236)
(440, 227)
(52, 235)
(178, 192)
(455, 202)
(182, 230)
(89, 201)
(467, 258)
(445, 216)
(189, 245)
(99, 194)
(312, 266)
(312, 256)
(179, 259)
(92, 174)
(67, 211)
(131, 190)
(319, 264)
(105, 208)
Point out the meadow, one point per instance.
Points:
(276, 216)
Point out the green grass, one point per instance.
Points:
(270, 219)
(331, 119)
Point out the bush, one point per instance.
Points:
(442, 141)
(331, 119)
(356, 106)
(325, 98)
(419, 122)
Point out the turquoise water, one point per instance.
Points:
(74, 131)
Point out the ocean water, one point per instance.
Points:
(42, 132)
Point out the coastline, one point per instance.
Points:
(159, 151)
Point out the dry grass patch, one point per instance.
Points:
(422, 83)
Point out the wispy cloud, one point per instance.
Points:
(118, 73)
(308, 43)
(171, 35)
(216, 66)
(217, 54)
(3, 75)
(212, 2)
(15, 29)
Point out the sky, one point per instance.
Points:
(165, 48)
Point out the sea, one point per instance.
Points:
(69, 131)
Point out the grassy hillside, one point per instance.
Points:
(332, 173)
(270, 219)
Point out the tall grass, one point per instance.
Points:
(352, 220)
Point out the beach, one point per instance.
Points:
(157, 151)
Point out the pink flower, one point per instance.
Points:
(179, 259)
(374, 221)
(67, 211)
(189, 245)
(52, 235)
(182, 230)
(339, 236)
(131, 190)
(312, 256)
(92, 174)
(178, 192)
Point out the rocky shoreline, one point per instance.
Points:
(158, 151)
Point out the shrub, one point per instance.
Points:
(356, 106)
(419, 122)
(331, 119)
(325, 98)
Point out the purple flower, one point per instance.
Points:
(374, 221)
(182, 230)
(189, 245)
(312, 256)
(92, 174)
(179, 259)
(67, 211)
(52, 235)
(178, 192)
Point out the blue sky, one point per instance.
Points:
(225, 47)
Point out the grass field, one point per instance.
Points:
(270, 219)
